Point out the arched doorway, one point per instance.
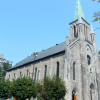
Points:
(74, 97)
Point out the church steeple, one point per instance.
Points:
(78, 11)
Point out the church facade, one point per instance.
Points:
(75, 61)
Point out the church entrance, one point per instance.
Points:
(74, 97)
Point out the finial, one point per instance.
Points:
(92, 31)
(67, 39)
(80, 21)
(67, 35)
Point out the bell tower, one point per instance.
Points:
(82, 58)
(79, 26)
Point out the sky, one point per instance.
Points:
(27, 26)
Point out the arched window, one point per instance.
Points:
(38, 76)
(49, 74)
(74, 71)
(9, 78)
(35, 74)
(57, 74)
(45, 73)
(74, 95)
(20, 74)
(14, 76)
(74, 31)
(27, 73)
(88, 59)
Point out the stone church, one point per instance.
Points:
(76, 61)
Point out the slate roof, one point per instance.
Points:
(42, 54)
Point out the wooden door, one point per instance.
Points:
(75, 97)
(14, 98)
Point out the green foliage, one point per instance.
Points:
(0, 72)
(0, 69)
(96, 14)
(98, 0)
(23, 88)
(51, 89)
(5, 89)
(5, 67)
(99, 53)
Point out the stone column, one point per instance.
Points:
(84, 70)
(98, 84)
(84, 82)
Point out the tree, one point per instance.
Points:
(99, 53)
(96, 14)
(23, 88)
(0, 72)
(5, 67)
(51, 89)
(5, 89)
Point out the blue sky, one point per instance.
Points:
(27, 26)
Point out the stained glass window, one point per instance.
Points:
(49, 71)
(35, 73)
(38, 75)
(45, 73)
(27, 73)
(88, 60)
(74, 71)
(57, 69)
(9, 78)
(20, 74)
(74, 31)
(14, 76)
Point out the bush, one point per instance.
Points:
(5, 89)
(51, 89)
(23, 88)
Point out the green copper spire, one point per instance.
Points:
(78, 11)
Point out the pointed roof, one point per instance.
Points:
(80, 21)
(78, 11)
(67, 35)
(92, 31)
